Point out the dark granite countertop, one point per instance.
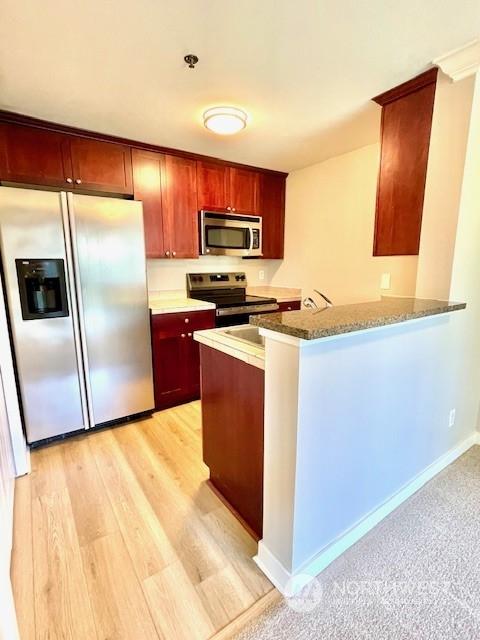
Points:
(313, 324)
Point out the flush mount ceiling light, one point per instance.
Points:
(225, 120)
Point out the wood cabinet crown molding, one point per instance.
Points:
(18, 118)
(461, 62)
(404, 89)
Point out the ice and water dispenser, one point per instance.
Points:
(42, 287)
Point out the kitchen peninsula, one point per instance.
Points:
(357, 405)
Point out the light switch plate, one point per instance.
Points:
(385, 281)
(261, 274)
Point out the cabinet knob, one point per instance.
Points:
(78, 181)
(69, 180)
(189, 335)
(233, 209)
(183, 335)
(229, 208)
(187, 320)
(174, 253)
(167, 253)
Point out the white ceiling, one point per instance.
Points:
(303, 69)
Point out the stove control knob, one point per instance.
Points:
(200, 278)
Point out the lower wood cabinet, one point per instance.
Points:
(176, 363)
(232, 429)
(296, 305)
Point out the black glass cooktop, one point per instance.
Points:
(224, 298)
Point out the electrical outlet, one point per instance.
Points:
(261, 274)
(451, 418)
(385, 281)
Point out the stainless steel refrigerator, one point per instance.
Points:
(75, 280)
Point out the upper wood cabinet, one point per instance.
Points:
(173, 186)
(272, 210)
(229, 188)
(35, 156)
(167, 186)
(213, 187)
(406, 124)
(101, 166)
(147, 187)
(179, 205)
(244, 190)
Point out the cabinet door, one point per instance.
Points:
(212, 186)
(192, 366)
(199, 320)
(179, 189)
(232, 431)
(244, 187)
(101, 166)
(272, 210)
(168, 369)
(147, 187)
(34, 156)
(176, 356)
(406, 125)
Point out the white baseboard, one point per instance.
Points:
(272, 568)
(290, 583)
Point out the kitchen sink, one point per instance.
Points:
(246, 334)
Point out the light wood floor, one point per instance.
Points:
(117, 536)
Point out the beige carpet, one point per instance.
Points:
(416, 575)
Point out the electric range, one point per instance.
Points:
(228, 292)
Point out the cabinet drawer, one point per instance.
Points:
(171, 324)
(290, 306)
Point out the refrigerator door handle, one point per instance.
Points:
(77, 308)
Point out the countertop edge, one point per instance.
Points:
(216, 339)
(181, 308)
(305, 334)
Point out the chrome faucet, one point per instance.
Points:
(310, 303)
(328, 303)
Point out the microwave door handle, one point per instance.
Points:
(250, 248)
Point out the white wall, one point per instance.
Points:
(20, 451)
(330, 219)
(329, 227)
(170, 274)
(465, 279)
(8, 624)
(364, 415)
(446, 161)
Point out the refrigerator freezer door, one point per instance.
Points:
(109, 256)
(31, 230)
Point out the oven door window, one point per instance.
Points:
(227, 237)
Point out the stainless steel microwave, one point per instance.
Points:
(230, 234)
